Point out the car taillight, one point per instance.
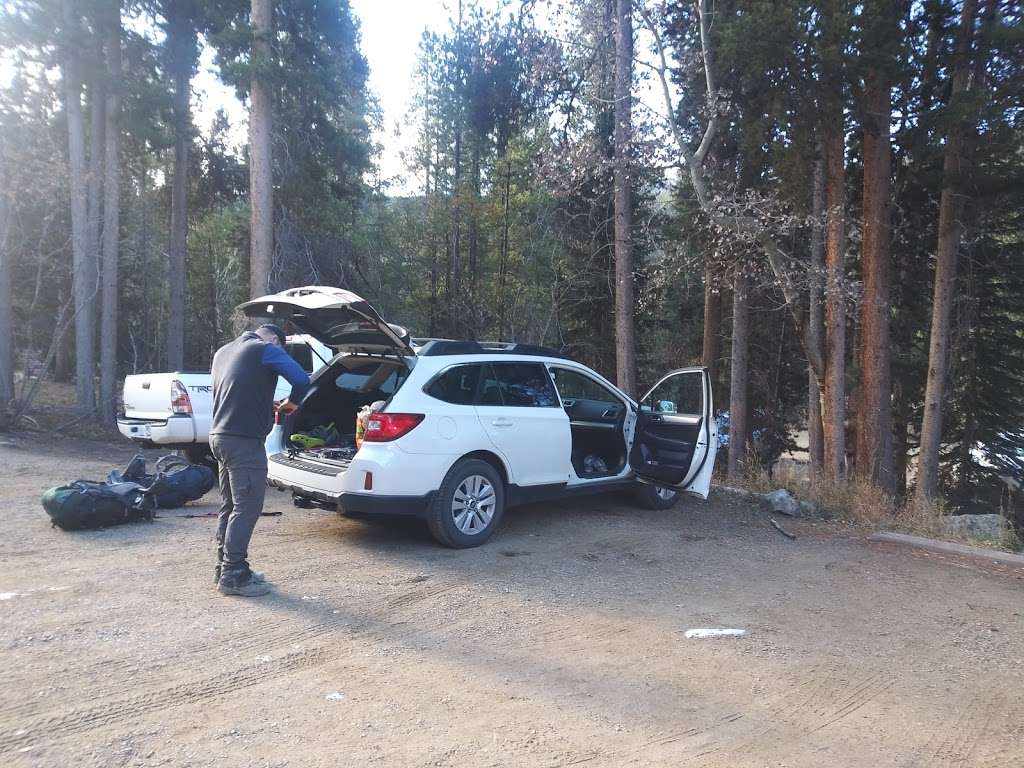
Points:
(384, 427)
(179, 399)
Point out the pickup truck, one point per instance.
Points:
(174, 410)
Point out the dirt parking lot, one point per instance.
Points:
(562, 642)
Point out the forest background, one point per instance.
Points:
(821, 202)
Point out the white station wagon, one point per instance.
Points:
(468, 429)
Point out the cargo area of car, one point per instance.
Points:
(324, 426)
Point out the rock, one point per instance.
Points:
(809, 508)
(977, 526)
(782, 502)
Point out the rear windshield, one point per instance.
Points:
(371, 377)
(302, 355)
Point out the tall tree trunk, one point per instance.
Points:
(969, 368)
(428, 206)
(955, 166)
(261, 181)
(83, 276)
(625, 332)
(111, 218)
(454, 284)
(712, 348)
(738, 377)
(94, 186)
(182, 44)
(815, 434)
(503, 257)
(6, 329)
(833, 382)
(874, 415)
(64, 359)
(472, 314)
(834, 401)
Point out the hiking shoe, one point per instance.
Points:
(315, 437)
(249, 588)
(257, 577)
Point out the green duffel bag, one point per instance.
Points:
(85, 505)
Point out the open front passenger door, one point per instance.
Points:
(675, 439)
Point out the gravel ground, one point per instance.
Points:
(562, 642)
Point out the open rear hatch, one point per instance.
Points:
(338, 318)
(370, 366)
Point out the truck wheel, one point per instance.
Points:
(468, 506)
(656, 497)
(201, 454)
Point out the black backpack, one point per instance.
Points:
(85, 504)
(175, 483)
(127, 496)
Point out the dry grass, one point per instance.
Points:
(859, 503)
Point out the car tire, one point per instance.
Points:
(201, 454)
(656, 497)
(469, 505)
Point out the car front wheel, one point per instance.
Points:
(468, 506)
(656, 497)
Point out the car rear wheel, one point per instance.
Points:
(468, 506)
(656, 496)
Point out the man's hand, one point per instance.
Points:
(286, 407)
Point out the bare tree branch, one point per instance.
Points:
(747, 226)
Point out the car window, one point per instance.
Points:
(573, 385)
(519, 384)
(490, 387)
(682, 393)
(456, 385)
(356, 380)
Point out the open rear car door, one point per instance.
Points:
(675, 439)
(338, 318)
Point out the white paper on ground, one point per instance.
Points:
(336, 696)
(700, 634)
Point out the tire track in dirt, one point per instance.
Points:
(830, 693)
(979, 735)
(74, 721)
(274, 634)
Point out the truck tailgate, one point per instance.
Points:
(148, 396)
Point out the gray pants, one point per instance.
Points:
(243, 484)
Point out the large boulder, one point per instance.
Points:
(995, 527)
(782, 501)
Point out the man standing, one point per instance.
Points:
(245, 375)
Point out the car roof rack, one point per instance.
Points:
(438, 347)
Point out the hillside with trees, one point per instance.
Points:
(819, 201)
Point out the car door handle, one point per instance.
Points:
(657, 417)
(502, 422)
(610, 413)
